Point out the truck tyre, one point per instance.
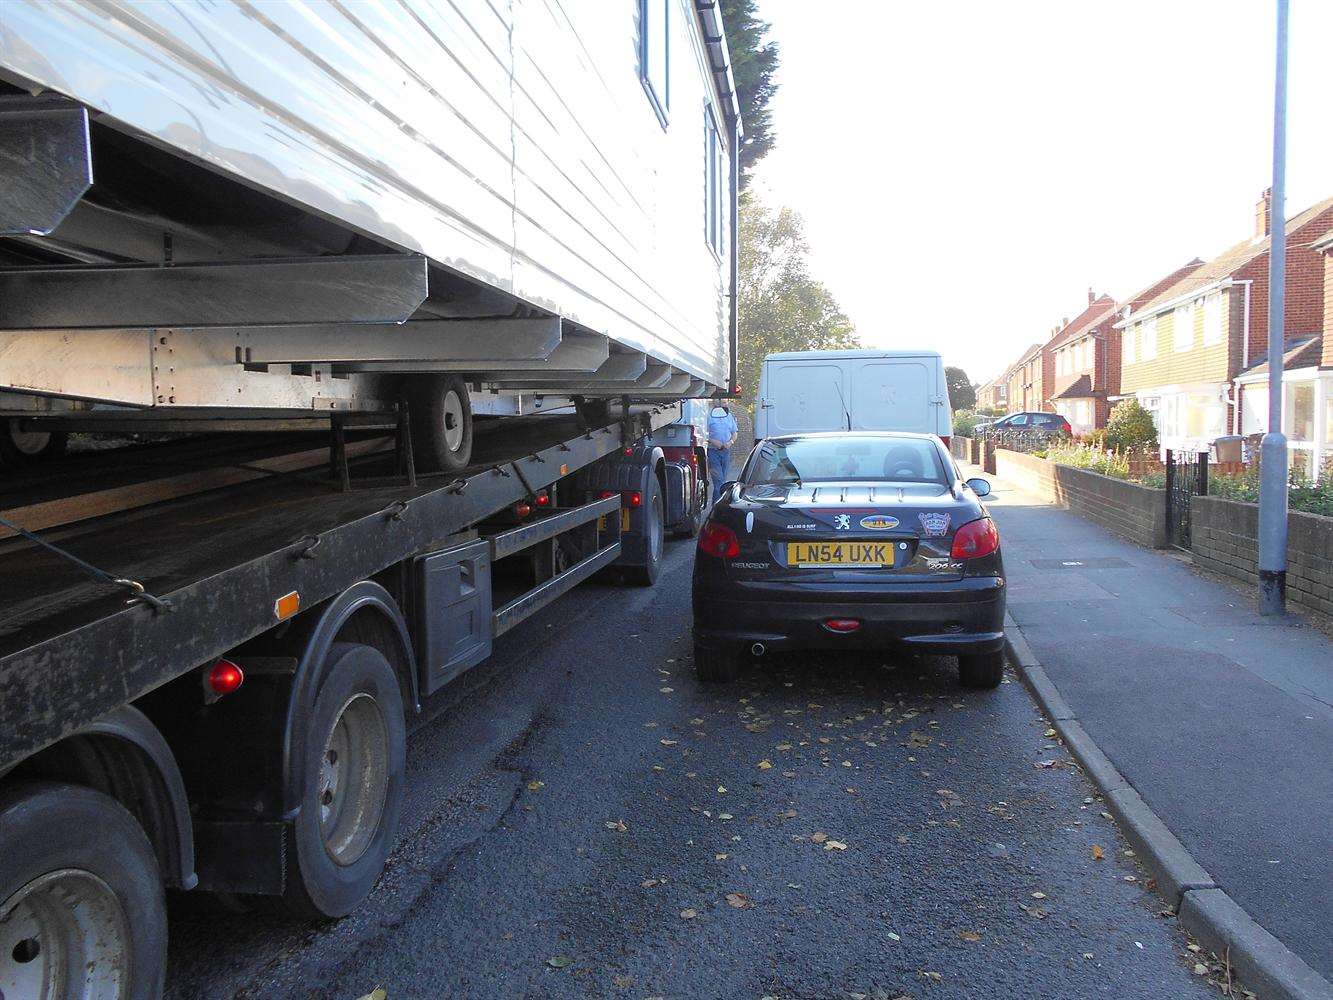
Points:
(715, 666)
(654, 531)
(354, 749)
(82, 911)
(20, 448)
(441, 412)
(981, 670)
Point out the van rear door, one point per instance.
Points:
(803, 396)
(895, 394)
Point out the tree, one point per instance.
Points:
(752, 67)
(782, 308)
(1130, 426)
(962, 393)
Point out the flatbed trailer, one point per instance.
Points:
(223, 681)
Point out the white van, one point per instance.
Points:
(803, 391)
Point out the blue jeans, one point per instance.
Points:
(719, 464)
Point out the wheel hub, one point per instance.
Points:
(453, 420)
(63, 935)
(28, 442)
(353, 779)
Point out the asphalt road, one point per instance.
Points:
(585, 820)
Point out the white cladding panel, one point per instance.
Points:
(512, 143)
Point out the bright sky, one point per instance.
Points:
(967, 169)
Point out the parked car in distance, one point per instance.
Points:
(806, 391)
(1030, 422)
(859, 539)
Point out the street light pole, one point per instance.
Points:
(1273, 449)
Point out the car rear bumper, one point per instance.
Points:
(958, 616)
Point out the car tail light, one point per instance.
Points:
(975, 539)
(542, 500)
(843, 625)
(946, 439)
(719, 540)
(634, 499)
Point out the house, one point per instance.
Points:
(1025, 381)
(994, 395)
(1075, 362)
(1307, 381)
(1182, 349)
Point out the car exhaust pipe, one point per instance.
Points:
(757, 649)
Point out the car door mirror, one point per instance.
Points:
(978, 486)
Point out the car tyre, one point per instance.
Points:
(81, 896)
(981, 670)
(354, 749)
(654, 531)
(713, 665)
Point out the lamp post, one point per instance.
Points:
(1273, 448)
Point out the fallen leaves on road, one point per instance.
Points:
(1036, 912)
(689, 913)
(535, 786)
(916, 738)
(1050, 765)
(378, 993)
(834, 845)
(667, 743)
(971, 936)
(819, 837)
(618, 825)
(649, 883)
(1097, 853)
(559, 961)
(739, 900)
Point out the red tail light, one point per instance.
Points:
(224, 677)
(718, 540)
(605, 494)
(522, 509)
(946, 439)
(975, 539)
(843, 625)
(543, 500)
(634, 499)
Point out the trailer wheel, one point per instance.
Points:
(82, 912)
(654, 531)
(20, 448)
(354, 751)
(441, 423)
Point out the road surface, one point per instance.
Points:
(584, 819)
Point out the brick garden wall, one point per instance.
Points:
(1135, 512)
(1224, 537)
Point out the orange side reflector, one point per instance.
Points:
(287, 605)
(564, 470)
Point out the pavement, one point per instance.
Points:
(1220, 719)
(584, 819)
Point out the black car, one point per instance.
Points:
(850, 540)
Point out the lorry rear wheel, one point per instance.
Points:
(82, 912)
(354, 752)
(20, 448)
(441, 413)
(654, 531)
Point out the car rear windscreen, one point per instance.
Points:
(845, 458)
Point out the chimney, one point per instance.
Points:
(1091, 296)
(1263, 212)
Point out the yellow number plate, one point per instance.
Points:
(839, 553)
(603, 523)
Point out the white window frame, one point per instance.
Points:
(1212, 320)
(1182, 328)
(1149, 338)
(1130, 345)
(714, 224)
(651, 47)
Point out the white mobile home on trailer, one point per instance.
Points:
(300, 199)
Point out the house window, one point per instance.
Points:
(1183, 325)
(1131, 344)
(1301, 408)
(1212, 319)
(715, 181)
(1149, 327)
(655, 53)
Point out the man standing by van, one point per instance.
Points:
(721, 434)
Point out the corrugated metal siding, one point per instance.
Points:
(508, 140)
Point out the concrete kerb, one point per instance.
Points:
(1263, 962)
